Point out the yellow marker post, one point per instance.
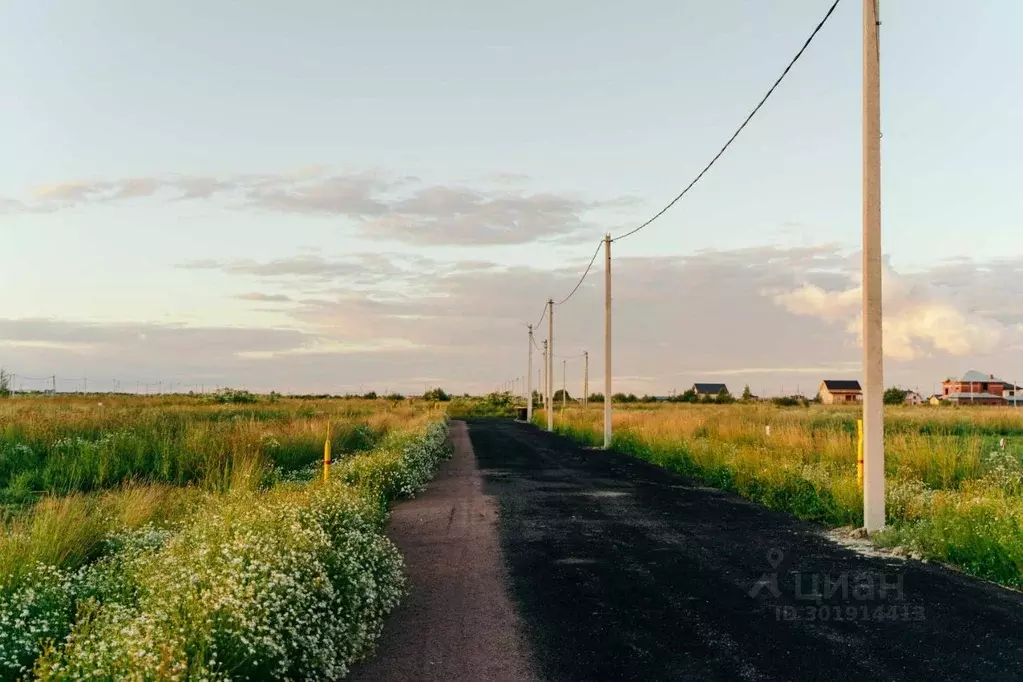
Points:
(859, 453)
(326, 456)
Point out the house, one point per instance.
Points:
(709, 390)
(913, 398)
(977, 388)
(840, 391)
(935, 399)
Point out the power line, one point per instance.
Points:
(740, 129)
(577, 284)
(537, 325)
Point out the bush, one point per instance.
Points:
(290, 583)
(436, 395)
(227, 396)
(493, 405)
(894, 396)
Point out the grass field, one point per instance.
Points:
(168, 538)
(953, 493)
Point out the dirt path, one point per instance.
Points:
(619, 570)
(458, 623)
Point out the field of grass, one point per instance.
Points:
(953, 493)
(164, 538)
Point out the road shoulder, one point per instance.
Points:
(458, 623)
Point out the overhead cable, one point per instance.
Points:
(753, 113)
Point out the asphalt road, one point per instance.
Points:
(607, 568)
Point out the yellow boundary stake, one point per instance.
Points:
(859, 453)
(326, 456)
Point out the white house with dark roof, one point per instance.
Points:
(708, 390)
(840, 392)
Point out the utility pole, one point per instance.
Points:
(873, 357)
(607, 341)
(529, 380)
(54, 377)
(85, 384)
(564, 385)
(546, 406)
(550, 361)
(586, 378)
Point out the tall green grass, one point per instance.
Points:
(287, 582)
(85, 445)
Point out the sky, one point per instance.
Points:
(337, 196)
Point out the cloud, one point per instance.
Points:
(347, 195)
(375, 204)
(73, 191)
(770, 317)
(458, 215)
(266, 298)
(361, 269)
(922, 314)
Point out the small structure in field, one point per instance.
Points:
(709, 390)
(935, 399)
(913, 398)
(840, 391)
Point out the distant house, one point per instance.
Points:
(840, 391)
(977, 388)
(709, 390)
(935, 399)
(913, 398)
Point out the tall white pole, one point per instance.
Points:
(607, 341)
(550, 364)
(564, 385)
(546, 406)
(529, 380)
(586, 378)
(873, 358)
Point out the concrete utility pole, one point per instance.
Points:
(586, 378)
(564, 385)
(54, 385)
(529, 379)
(550, 361)
(546, 406)
(607, 341)
(873, 357)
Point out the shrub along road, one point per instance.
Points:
(618, 569)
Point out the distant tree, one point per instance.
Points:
(786, 401)
(624, 398)
(5, 383)
(372, 395)
(647, 398)
(894, 396)
(394, 397)
(436, 395)
(596, 398)
(724, 397)
(559, 394)
(747, 395)
(688, 396)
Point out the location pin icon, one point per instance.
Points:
(774, 557)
